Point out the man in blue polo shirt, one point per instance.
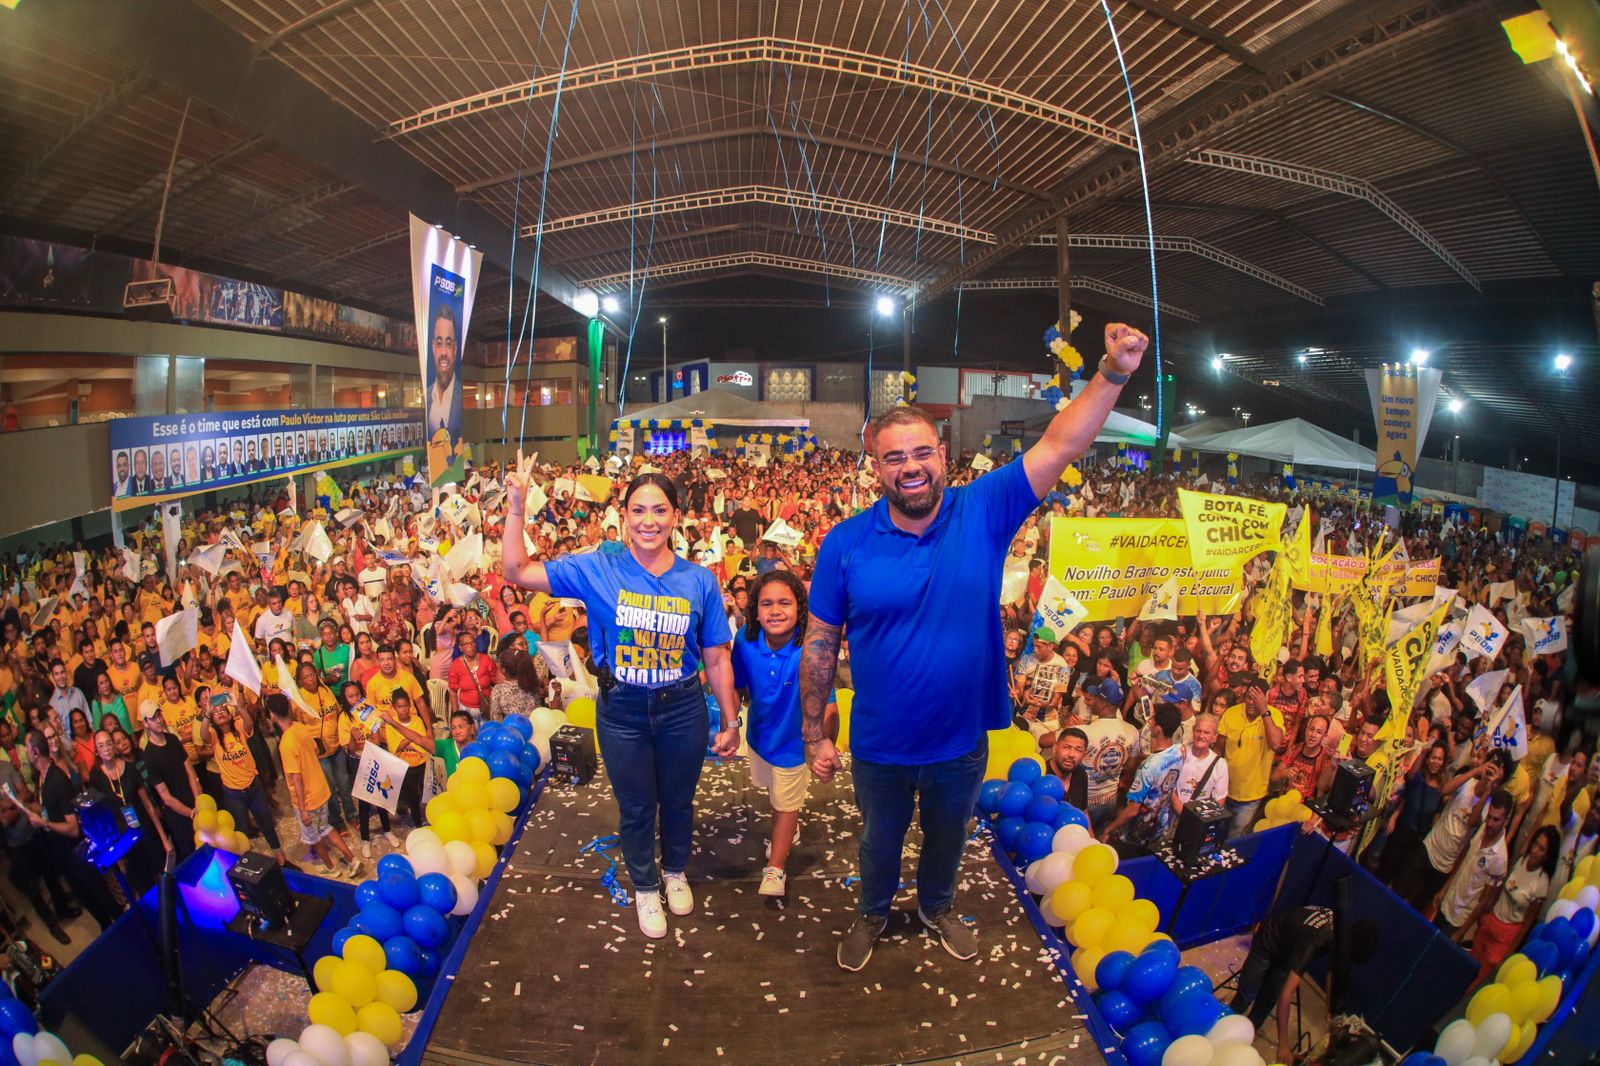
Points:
(915, 580)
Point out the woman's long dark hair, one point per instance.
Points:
(660, 481)
(752, 625)
(1552, 851)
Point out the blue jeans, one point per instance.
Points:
(1245, 813)
(342, 807)
(945, 793)
(653, 742)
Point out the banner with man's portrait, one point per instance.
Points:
(444, 279)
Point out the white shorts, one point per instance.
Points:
(317, 828)
(786, 785)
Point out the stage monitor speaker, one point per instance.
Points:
(1350, 795)
(572, 754)
(263, 893)
(1203, 822)
(149, 301)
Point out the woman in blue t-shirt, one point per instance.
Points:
(654, 621)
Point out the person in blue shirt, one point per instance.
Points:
(915, 580)
(655, 620)
(766, 667)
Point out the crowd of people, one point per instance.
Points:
(402, 606)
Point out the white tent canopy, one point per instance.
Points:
(1119, 429)
(718, 407)
(1292, 441)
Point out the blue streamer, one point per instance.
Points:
(602, 846)
(1149, 219)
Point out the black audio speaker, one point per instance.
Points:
(1203, 822)
(572, 754)
(263, 893)
(1350, 795)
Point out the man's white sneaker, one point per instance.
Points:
(773, 881)
(394, 841)
(652, 919)
(679, 898)
(366, 849)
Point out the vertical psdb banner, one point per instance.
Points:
(1403, 397)
(444, 279)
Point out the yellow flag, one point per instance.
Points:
(1324, 639)
(1404, 664)
(1297, 551)
(1229, 530)
(1274, 619)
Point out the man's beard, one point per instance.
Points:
(917, 504)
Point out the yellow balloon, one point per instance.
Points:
(1570, 890)
(1301, 814)
(205, 821)
(328, 1009)
(225, 822)
(1549, 997)
(1125, 936)
(450, 824)
(483, 858)
(354, 983)
(1292, 799)
(580, 712)
(381, 1020)
(1070, 900)
(441, 804)
(322, 972)
(1489, 1000)
(1094, 864)
(1141, 914)
(481, 825)
(1262, 824)
(397, 990)
(1516, 970)
(1524, 1001)
(366, 952)
(504, 795)
(1584, 868)
(1006, 746)
(205, 803)
(1090, 930)
(86, 1060)
(1521, 1039)
(1113, 893)
(470, 796)
(239, 844)
(472, 769)
(845, 699)
(503, 826)
(1273, 808)
(1085, 961)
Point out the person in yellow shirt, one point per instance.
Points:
(181, 716)
(211, 637)
(237, 594)
(403, 735)
(324, 721)
(353, 739)
(151, 686)
(125, 677)
(308, 790)
(1250, 735)
(390, 679)
(226, 731)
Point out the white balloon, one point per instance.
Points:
(1563, 908)
(1455, 1043)
(1071, 839)
(1588, 898)
(1055, 869)
(546, 720)
(1188, 1051)
(429, 860)
(278, 1050)
(542, 746)
(47, 1047)
(1237, 1055)
(466, 894)
(1477, 1060)
(1493, 1032)
(323, 1043)
(1232, 1029)
(462, 860)
(302, 1057)
(1048, 913)
(422, 837)
(366, 1050)
(22, 1048)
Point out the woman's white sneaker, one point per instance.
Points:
(773, 881)
(652, 919)
(679, 898)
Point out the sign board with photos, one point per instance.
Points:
(166, 457)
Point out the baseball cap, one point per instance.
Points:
(148, 709)
(149, 658)
(1108, 690)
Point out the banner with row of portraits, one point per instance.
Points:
(165, 457)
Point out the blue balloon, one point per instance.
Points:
(1048, 785)
(341, 936)
(398, 891)
(16, 1018)
(1015, 799)
(505, 740)
(403, 954)
(367, 892)
(1024, 771)
(426, 926)
(1008, 829)
(1422, 1058)
(475, 750)
(1119, 1011)
(989, 796)
(502, 763)
(518, 723)
(1146, 1043)
(436, 891)
(1565, 940)
(1187, 979)
(1112, 969)
(525, 769)
(429, 964)
(487, 731)
(1033, 843)
(1191, 1014)
(1042, 809)
(395, 863)
(1163, 947)
(1149, 976)
(1580, 955)
(1582, 923)
(530, 757)
(380, 921)
(1544, 955)
(1067, 814)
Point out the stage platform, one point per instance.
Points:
(558, 974)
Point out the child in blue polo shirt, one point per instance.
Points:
(766, 663)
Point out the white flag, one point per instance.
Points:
(461, 595)
(171, 534)
(177, 634)
(1059, 609)
(982, 463)
(1483, 635)
(241, 664)
(130, 565)
(318, 546)
(1162, 604)
(1485, 688)
(42, 613)
(287, 685)
(1545, 635)
(187, 597)
(230, 542)
(1510, 729)
(464, 556)
(80, 563)
(378, 777)
(783, 535)
(209, 559)
(1502, 590)
(558, 654)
